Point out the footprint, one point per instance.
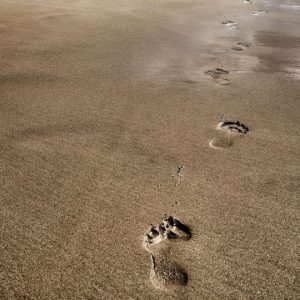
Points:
(241, 46)
(244, 44)
(165, 273)
(230, 131)
(230, 24)
(217, 74)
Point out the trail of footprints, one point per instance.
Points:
(218, 74)
(166, 273)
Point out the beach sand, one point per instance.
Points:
(102, 101)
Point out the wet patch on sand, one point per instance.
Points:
(289, 66)
(277, 40)
(165, 273)
(230, 130)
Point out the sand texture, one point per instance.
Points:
(114, 113)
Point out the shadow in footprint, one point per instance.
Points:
(230, 130)
(165, 273)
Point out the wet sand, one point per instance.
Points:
(99, 105)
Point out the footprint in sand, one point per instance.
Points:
(241, 46)
(230, 130)
(244, 44)
(218, 75)
(229, 23)
(165, 273)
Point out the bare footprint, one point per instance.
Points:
(230, 130)
(218, 75)
(165, 273)
(241, 46)
(248, 1)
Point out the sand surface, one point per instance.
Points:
(100, 101)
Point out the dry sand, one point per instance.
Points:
(100, 101)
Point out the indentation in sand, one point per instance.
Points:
(240, 46)
(237, 48)
(218, 75)
(166, 273)
(244, 44)
(230, 24)
(230, 130)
